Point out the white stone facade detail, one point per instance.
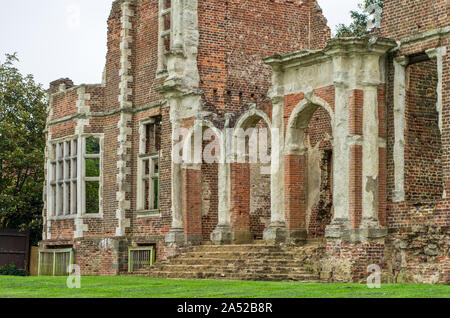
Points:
(124, 172)
(124, 122)
(399, 126)
(125, 63)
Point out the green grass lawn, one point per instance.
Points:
(143, 287)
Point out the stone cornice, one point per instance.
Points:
(427, 35)
(130, 110)
(335, 47)
(295, 59)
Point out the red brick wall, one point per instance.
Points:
(145, 57)
(240, 197)
(192, 201)
(210, 199)
(295, 192)
(355, 191)
(423, 165)
(236, 35)
(405, 18)
(356, 257)
(355, 109)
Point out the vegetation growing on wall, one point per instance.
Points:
(360, 20)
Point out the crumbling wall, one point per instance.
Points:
(423, 149)
(420, 254)
(319, 175)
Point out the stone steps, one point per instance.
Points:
(238, 262)
(235, 255)
(236, 276)
(236, 248)
(233, 268)
(223, 262)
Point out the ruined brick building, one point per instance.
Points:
(359, 173)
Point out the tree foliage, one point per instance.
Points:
(22, 142)
(360, 18)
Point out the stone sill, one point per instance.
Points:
(73, 217)
(148, 214)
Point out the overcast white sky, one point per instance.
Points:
(67, 38)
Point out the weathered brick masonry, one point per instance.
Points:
(362, 158)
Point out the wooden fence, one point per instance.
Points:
(15, 248)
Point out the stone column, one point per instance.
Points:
(276, 231)
(400, 64)
(341, 152)
(176, 233)
(177, 31)
(222, 233)
(370, 225)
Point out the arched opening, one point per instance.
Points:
(250, 177)
(201, 155)
(309, 170)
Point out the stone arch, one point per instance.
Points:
(188, 146)
(299, 121)
(308, 167)
(250, 179)
(251, 117)
(249, 120)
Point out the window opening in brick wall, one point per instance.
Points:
(92, 175)
(74, 176)
(424, 182)
(55, 262)
(62, 176)
(140, 257)
(165, 34)
(148, 167)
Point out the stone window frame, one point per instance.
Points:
(78, 179)
(85, 179)
(401, 64)
(143, 157)
(163, 12)
(62, 177)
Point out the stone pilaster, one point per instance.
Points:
(176, 233)
(222, 233)
(341, 153)
(370, 225)
(82, 108)
(276, 232)
(400, 64)
(439, 53)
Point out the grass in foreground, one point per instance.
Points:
(143, 287)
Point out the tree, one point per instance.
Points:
(360, 20)
(22, 142)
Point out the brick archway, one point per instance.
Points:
(300, 172)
